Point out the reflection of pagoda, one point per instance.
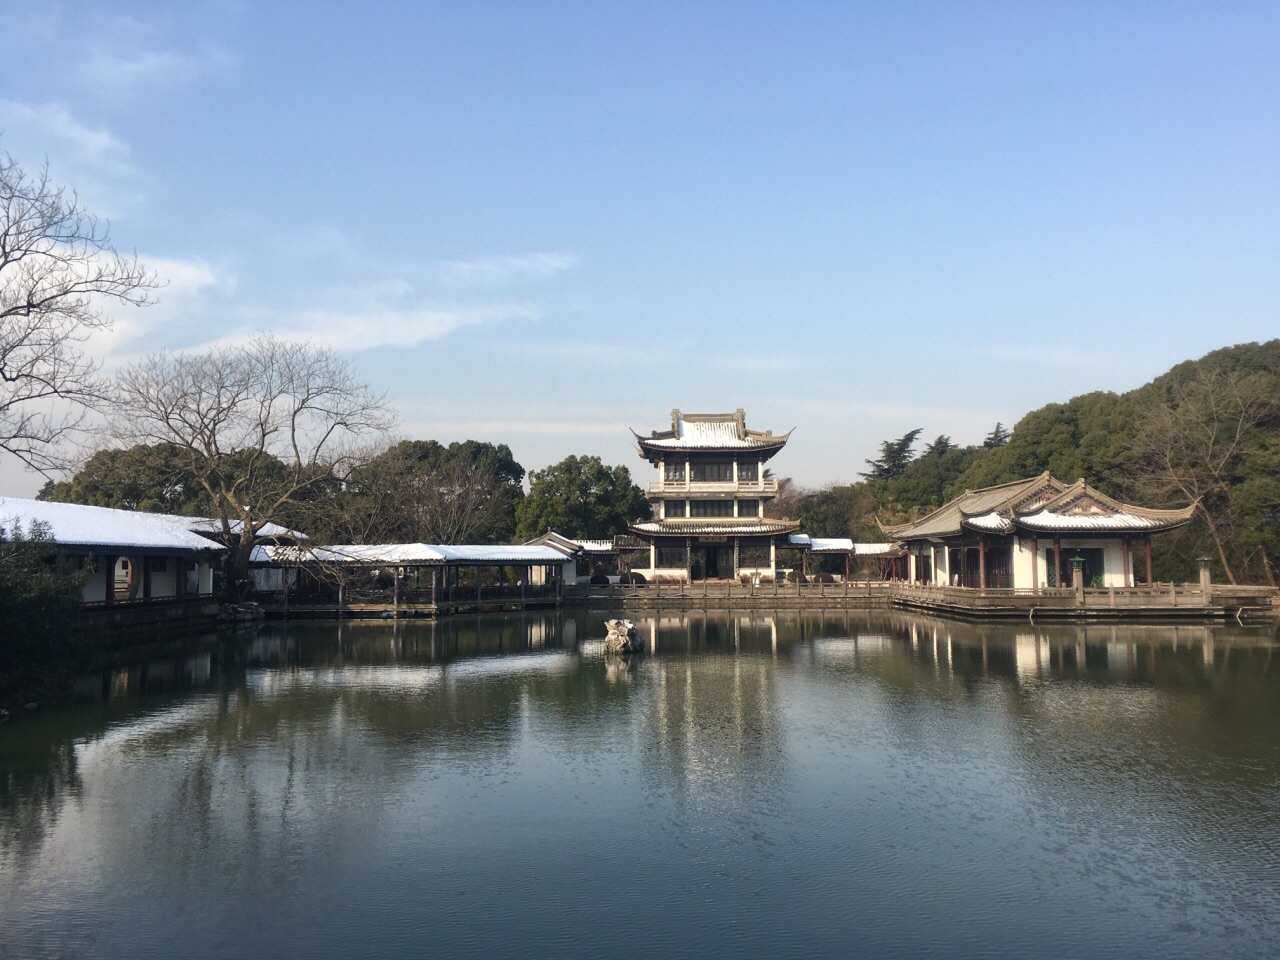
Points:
(709, 498)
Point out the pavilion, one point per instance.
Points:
(1026, 535)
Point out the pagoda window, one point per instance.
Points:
(753, 552)
(748, 508)
(673, 508)
(670, 558)
(748, 471)
(673, 471)
(711, 508)
(713, 472)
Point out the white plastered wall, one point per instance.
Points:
(1112, 560)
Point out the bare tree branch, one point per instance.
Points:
(265, 427)
(57, 269)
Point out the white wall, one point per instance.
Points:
(95, 588)
(1112, 560)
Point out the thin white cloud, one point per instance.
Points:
(567, 351)
(53, 121)
(351, 331)
(496, 271)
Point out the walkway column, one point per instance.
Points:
(1035, 565)
(1124, 560)
(108, 579)
(1147, 545)
(982, 561)
(1057, 561)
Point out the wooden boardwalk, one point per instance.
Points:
(1157, 602)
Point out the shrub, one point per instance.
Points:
(824, 577)
(44, 642)
(637, 578)
(795, 576)
(599, 580)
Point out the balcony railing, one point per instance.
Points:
(750, 488)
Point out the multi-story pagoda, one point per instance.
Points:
(709, 499)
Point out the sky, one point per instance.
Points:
(544, 224)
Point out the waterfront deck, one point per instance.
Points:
(1158, 601)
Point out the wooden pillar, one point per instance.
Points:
(1057, 561)
(524, 584)
(982, 561)
(1124, 560)
(109, 579)
(477, 569)
(146, 578)
(1147, 546)
(1035, 565)
(395, 590)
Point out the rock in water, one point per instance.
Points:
(622, 637)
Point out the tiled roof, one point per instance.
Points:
(1040, 503)
(711, 431)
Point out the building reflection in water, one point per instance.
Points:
(295, 735)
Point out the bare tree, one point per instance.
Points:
(57, 269)
(1193, 444)
(265, 427)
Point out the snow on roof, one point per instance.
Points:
(501, 553)
(840, 545)
(408, 553)
(990, 521)
(1045, 520)
(80, 525)
(702, 434)
(267, 530)
(710, 431)
(875, 549)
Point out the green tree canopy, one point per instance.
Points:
(422, 491)
(580, 497)
(154, 478)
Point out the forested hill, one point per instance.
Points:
(1208, 430)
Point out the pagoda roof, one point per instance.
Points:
(726, 432)
(1039, 504)
(698, 528)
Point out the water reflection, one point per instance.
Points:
(1114, 770)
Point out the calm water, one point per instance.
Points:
(861, 784)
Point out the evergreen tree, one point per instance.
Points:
(894, 457)
(580, 497)
(997, 437)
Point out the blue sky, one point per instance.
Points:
(544, 223)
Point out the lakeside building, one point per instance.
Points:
(132, 558)
(1026, 534)
(709, 499)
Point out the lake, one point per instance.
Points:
(789, 784)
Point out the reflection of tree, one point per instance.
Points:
(31, 796)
